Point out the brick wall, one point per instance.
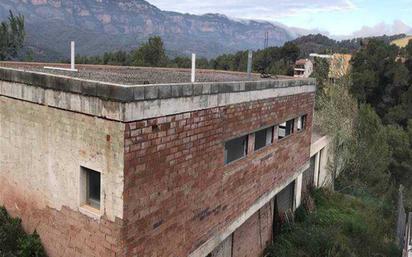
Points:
(178, 191)
(252, 238)
(65, 232)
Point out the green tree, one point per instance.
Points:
(11, 36)
(152, 53)
(336, 114)
(321, 72)
(370, 154)
(379, 77)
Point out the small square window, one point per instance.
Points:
(236, 149)
(285, 129)
(92, 187)
(263, 138)
(301, 123)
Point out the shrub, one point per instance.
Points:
(14, 241)
(340, 225)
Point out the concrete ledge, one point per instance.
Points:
(151, 101)
(215, 241)
(127, 93)
(318, 145)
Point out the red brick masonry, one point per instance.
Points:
(65, 232)
(178, 191)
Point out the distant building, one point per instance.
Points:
(303, 68)
(315, 55)
(339, 66)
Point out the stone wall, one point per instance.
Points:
(41, 151)
(179, 192)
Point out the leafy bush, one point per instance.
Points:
(341, 225)
(14, 241)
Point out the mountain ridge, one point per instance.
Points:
(98, 26)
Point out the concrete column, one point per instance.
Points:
(251, 143)
(298, 191)
(193, 79)
(73, 56)
(249, 64)
(275, 134)
(316, 172)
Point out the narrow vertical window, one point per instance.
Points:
(301, 123)
(236, 149)
(93, 187)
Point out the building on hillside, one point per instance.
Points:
(339, 66)
(303, 68)
(102, 165)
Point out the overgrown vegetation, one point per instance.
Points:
(340, 226)
(14, 241)
(11, 36)
(369, 119)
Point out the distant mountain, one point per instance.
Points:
(106, 25)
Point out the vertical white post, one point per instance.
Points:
(249, 64)
(193, 68)
(298, 191)
(72, 59)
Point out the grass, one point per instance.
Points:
(14, 241)
(340, 226)
(402, 42)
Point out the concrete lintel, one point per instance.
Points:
(213, 242)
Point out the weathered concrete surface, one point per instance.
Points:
(42, 149)
(320, 149)
(65, 232)
(146, 108)
(126, 75)
(128, 93)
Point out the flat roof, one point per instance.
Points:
(129, 84)
(128, 75)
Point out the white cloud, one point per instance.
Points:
(264, 9)
(397, 27)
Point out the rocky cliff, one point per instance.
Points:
(105, 25)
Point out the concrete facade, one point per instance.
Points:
(321, 156)
(165, 187)
(42, 150)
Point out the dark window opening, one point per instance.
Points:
(285, 129)
(283, 206)
(301, 123)
(92, 188)
(263, 138)
(235, 149)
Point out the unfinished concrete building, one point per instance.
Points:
(303, 68)
(136, 162)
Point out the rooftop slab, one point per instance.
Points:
(130, 84)
(134, 75)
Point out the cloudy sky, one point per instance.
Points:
(340, 17)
